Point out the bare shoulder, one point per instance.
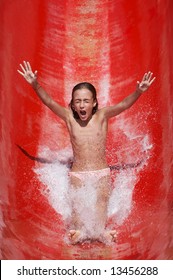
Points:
(69, 113)
(112, 111)
(69, 116)
(101, 114)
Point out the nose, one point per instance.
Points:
(81, 104)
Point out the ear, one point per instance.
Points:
(95, 103)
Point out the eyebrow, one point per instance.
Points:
(78, 99)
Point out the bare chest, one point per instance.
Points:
(93, 131)
(88, 133)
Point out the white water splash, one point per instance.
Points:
(120, 203)
(54, 176)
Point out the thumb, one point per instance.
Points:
(35, 73)
(138, 84)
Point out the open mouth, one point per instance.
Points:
(83, 113)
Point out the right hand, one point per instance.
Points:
(27, 73)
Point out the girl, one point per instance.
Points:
(87, 126)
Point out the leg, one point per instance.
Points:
(75, 234)
(103, 194)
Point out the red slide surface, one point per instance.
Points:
(110, 44)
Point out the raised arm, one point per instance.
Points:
(31, 78)
(127, 102)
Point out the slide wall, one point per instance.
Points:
(110, 44)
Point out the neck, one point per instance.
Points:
(84, 123)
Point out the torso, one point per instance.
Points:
(88, 142)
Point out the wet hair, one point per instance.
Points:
(91, 88)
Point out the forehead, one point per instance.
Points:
(82, 93)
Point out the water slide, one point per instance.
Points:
(110, 44)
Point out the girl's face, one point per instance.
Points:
(83, 103)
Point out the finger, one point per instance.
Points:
(35, 74)
(22, 68)
(21, 73)
(144, 77)
(152, 81)
(26, 66)
(29, 66)
(150, 74)
(138, 84)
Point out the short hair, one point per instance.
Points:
(91, 88)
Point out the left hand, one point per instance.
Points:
(146, 82)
